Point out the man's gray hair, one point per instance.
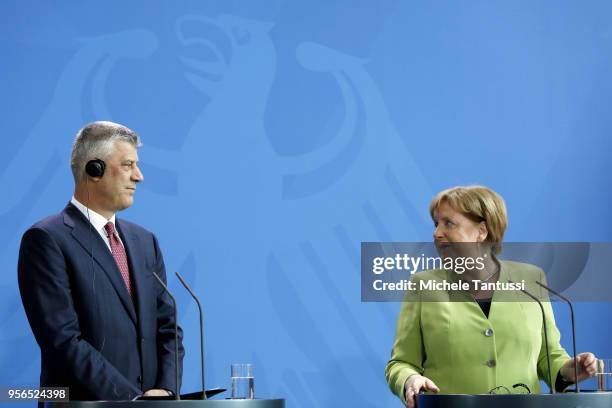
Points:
(95, 141)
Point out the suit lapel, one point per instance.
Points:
(132, 245)
(94, 245)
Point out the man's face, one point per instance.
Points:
(115, 190)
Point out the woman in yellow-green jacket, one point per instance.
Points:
(471, 342)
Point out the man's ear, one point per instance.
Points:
(483, 232)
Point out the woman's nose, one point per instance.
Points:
(438, 233)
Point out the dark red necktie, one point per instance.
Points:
(119, 255)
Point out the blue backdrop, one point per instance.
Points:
(280, 134)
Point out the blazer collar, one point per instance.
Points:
(132, 245)
(94, 245)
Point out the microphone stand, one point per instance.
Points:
(552, 386)
(201, 330)
(573, 328)
(176, 354)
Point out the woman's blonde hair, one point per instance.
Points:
(478, 203)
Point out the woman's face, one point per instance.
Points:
(452, 226)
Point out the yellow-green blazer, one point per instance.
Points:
(455, 345)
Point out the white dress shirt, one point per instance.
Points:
(97, 221)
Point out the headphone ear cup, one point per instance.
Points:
(95, 168)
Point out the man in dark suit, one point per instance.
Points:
(104, 325)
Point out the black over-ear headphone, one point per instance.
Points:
(95, 168)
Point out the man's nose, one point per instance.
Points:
(137, 175)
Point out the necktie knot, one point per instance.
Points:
(110, 228)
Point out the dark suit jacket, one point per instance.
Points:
(93, 337)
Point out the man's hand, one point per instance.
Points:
(157, 393)
(415, 384)
(587, 367)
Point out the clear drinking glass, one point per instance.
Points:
(604, 374)
(243, 381)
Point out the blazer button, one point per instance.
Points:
(491, 363)
(488, 332)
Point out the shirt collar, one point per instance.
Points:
(98, 221)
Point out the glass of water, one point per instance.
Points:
(604, 374)
(243, 381)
